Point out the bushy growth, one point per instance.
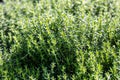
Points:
(59, 40)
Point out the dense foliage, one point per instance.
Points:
(60, 40)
